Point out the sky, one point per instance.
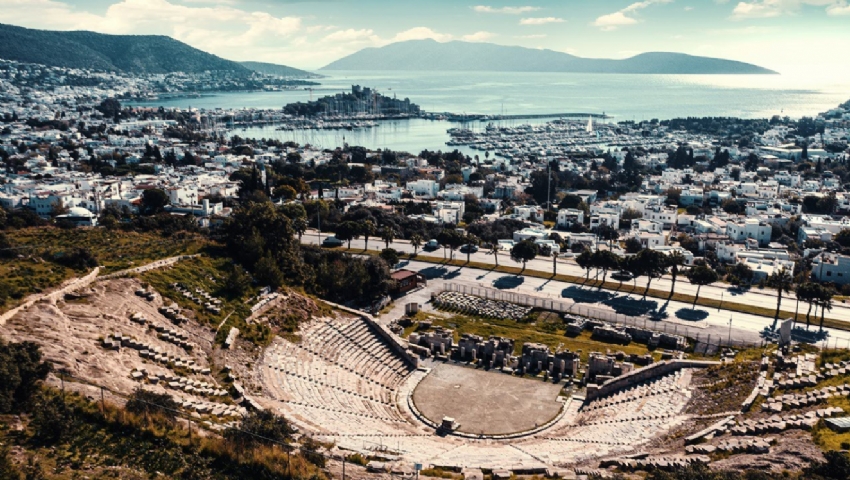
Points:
(795, 37)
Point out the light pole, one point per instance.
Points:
(730, 330)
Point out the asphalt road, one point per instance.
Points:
(762, 298)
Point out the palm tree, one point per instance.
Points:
(780, 280)
(494, 249)
(387, 235)
(807, 292)
(416, 242)
(367, 229)
(470, 241)
(554, 263)
(825, 301)
(674, 261)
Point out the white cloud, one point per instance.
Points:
(540, 20)
(478, 36)
(421, 33)
(776, 8)
(505, 10)
(838, 9)
(351, 35)
(625, 16)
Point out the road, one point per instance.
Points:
(744, 327)
(755, 297)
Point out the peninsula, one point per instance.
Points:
(430, 55)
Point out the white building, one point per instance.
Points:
(750, 228)
(567, 217)
(829, 267)
(424, 188)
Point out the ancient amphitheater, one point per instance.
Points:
(350, 382)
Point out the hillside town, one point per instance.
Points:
(760, 194)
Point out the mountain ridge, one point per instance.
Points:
(98, 51)
(429, 55)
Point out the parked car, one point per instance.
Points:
(469, 248)
(331, 242)
(431, 245)
(621, 276)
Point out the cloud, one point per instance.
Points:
(838, 9)
(540, 20)
(505, 10)
(421, 33)
(625, 16)
(536, 35)
(478, 37)
(351, 35)
(776, 8)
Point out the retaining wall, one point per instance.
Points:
(643, 374)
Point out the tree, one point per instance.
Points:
(21, 370)
(237, 282)
(299, 224)
(843, 237)
(651, 264)
(731, 206)
(471, 240)
(154, 201)
(808, 292)
(605, 260)
(391, 256)
(523, 252)
(494, 249)
(554, 263)
(633, 245)
(699, 276)
(416, 242)
(367, 230)
(674, 261)
(261, 428)
(451, 239)
(781, 280)
(607, 233)
(387, 235)
(585, 261)
(740, 274)
(347, 231)
(267, 273)
(143, 402)
(825, 301)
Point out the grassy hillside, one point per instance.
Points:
(37, 263)
(125, 53)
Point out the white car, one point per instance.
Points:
(432, 245)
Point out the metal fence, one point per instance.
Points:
(704, 342)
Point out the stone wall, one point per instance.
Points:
(643, 374)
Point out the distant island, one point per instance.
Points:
(430, 55)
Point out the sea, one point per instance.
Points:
(621, 97)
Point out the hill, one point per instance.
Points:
(278, 70)
(124, 53)
(429, 55)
